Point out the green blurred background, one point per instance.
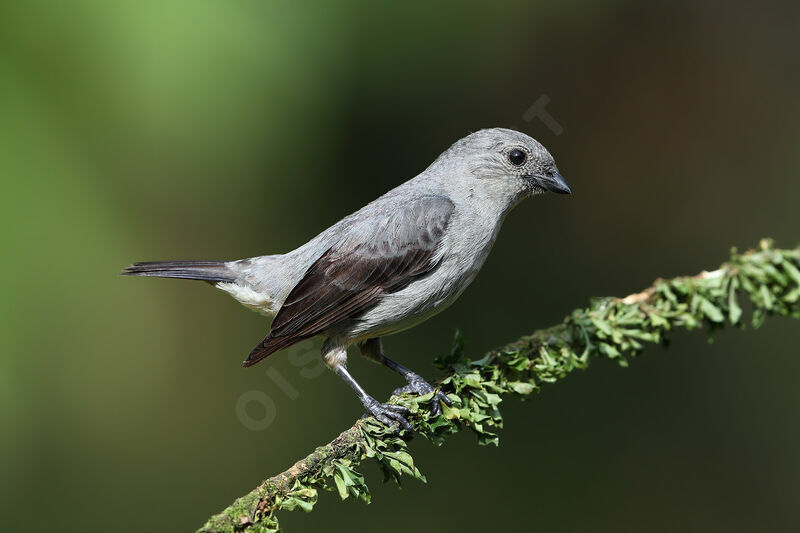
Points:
(219, 130)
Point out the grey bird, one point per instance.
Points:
(390, 265)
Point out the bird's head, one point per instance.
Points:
(505, 165)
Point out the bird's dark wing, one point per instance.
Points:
(383, 254)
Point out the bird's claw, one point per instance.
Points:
(389, 414)
(420, 387)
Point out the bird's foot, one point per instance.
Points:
(388, 414)
(420, 387)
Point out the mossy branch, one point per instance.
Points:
(611, 328)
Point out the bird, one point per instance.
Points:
(389, 266)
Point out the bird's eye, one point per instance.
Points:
(517, 157)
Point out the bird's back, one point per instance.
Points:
(265, 281)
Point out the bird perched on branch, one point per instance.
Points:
(390, 265)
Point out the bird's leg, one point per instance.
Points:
(373, 349)
(391, 415)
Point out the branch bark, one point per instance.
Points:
(611, 328)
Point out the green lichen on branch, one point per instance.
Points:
(766, 279)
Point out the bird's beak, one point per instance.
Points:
(555, 183)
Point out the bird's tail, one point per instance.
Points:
(214, 271)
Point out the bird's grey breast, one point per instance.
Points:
(464, 246)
